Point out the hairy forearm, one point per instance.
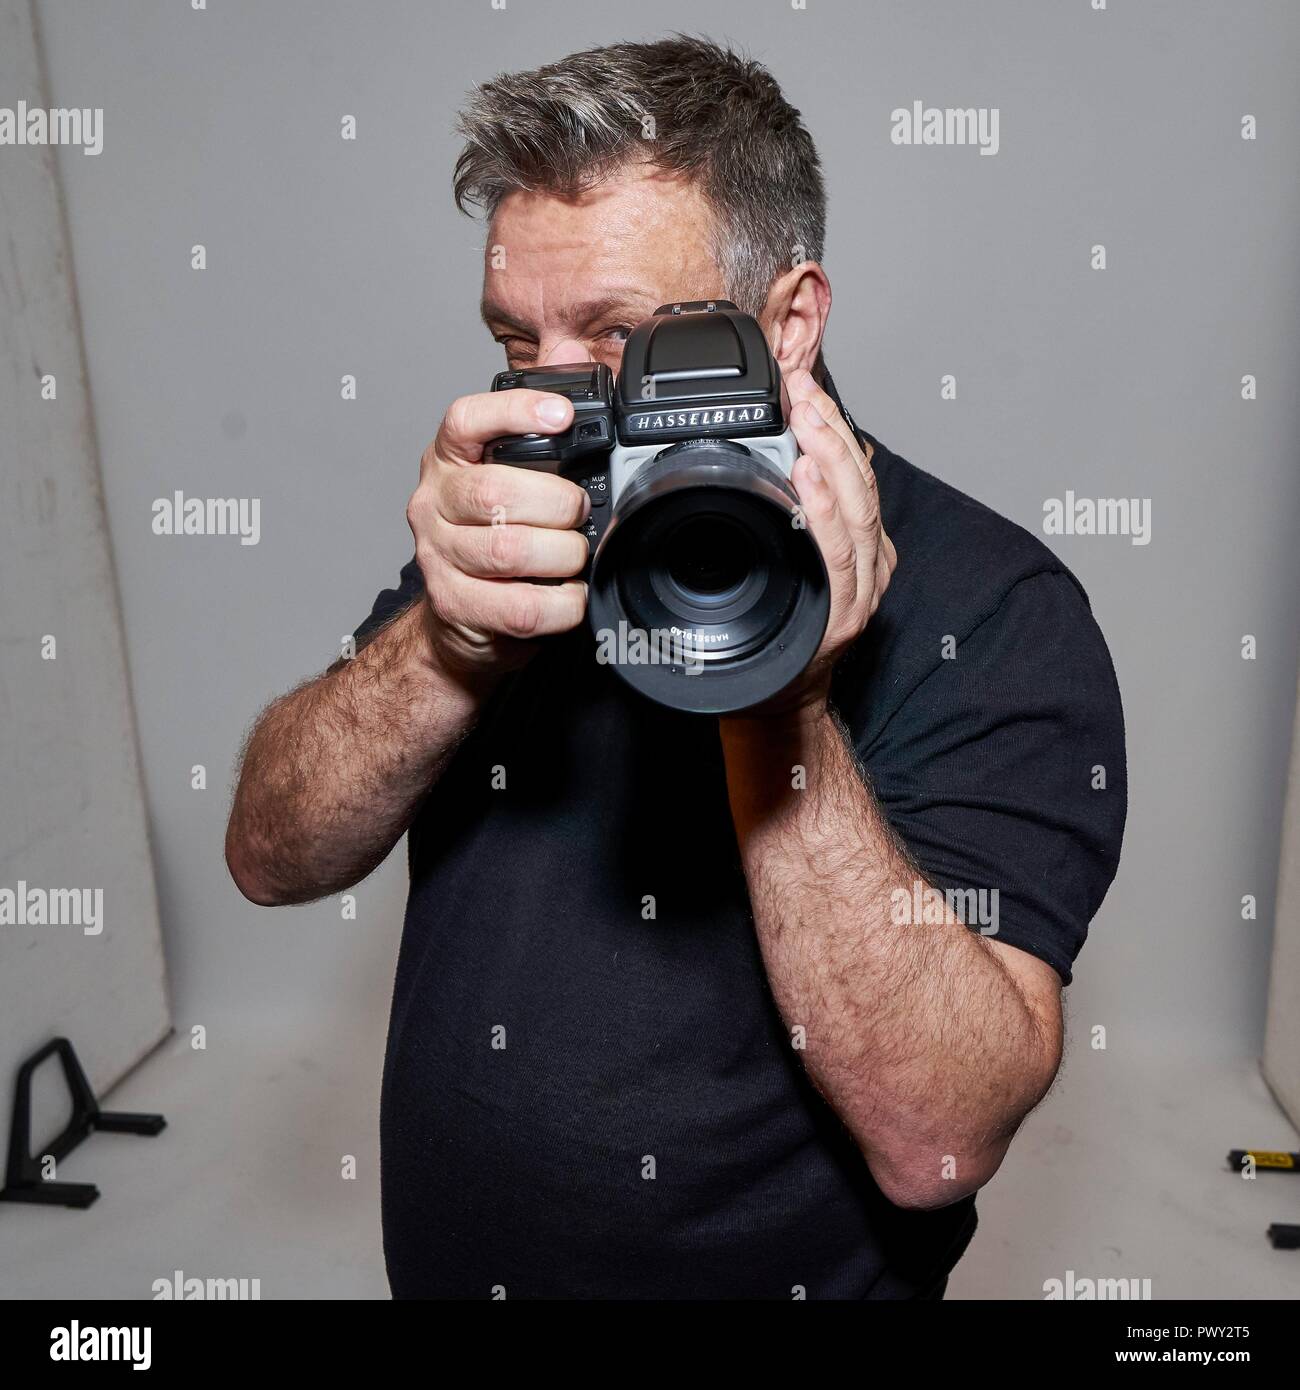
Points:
(916, 1035)
(334, 771)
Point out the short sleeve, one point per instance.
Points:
(1004, 769)
(391, 602)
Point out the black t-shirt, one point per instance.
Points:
(579, 1101)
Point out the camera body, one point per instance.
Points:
(695, 531)
(684, 378)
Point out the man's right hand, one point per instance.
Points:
(484, 530)
(334, 771)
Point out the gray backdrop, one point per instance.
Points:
(72, 811)
(326, 257)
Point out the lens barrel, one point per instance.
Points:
(707, 591)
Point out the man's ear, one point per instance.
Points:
(794, 317)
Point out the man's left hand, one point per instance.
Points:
(837, 492)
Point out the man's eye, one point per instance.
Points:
(517, 348)
(618, 332)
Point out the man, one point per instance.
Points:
(685, 1006)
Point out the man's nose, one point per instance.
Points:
(563, 351)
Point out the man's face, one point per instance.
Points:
(565, 280)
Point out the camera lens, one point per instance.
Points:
(708, 580)
(708, 558)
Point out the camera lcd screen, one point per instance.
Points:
(546, 380)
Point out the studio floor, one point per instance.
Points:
(247, 1179)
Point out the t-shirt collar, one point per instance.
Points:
(828, 385)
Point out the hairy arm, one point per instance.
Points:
(931, 1042)
(333, 771)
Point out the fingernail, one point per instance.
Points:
(554, 412)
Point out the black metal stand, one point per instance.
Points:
(23, 1181)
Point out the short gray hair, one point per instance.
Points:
(687, 105)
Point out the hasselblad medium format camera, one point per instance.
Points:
(703, 578)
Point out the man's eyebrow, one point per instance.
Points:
(628, 300)
(495, 314)
(578, 315)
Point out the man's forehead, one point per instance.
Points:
(639, 193)
(626, 245)
(591, 300)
